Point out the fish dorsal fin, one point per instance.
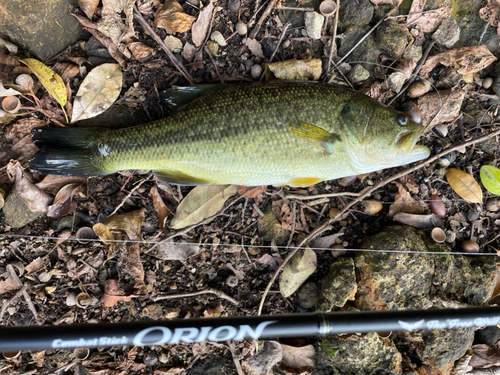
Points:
(176, 96)
(314, 134)
(304, 181)
(180, 178)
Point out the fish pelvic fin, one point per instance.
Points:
(67, 151)
(180, 178)
(314, 134)
(304, 181)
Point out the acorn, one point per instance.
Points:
(469, 246)
(371, 206)
(437, 206)
(419, 88)
(412, 111)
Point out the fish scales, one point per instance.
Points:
(288, 133)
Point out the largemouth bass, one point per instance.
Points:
(295, 134)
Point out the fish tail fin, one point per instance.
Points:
(66, 151)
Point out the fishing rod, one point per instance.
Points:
(144, 333)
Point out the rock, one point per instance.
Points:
(447, 34)
(438, 348)
(358, 74)
(360, 354)
(213, 47)
(217, 37)
(413, 52)
(234, 5)
(395, 81)
(241, 28)
(391, 38)
(256, 71)
(488, 336)
(489, 146)
(173, 44)
(410, 275)
(213, 365)
(44, 27)
(269, 227)
(355, 13)
(314, 21)
(308, 295)
(95, 48)
(475, 112)
(338, 286)
(65, 222)
(367, 51)
(487, 82)
(17, 214)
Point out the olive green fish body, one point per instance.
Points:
(288, 133)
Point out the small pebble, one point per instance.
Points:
(450, 236)
(492, 204)
(234, 5)
(241, 28)
(256, 71)
(487, 82)
(468, 78)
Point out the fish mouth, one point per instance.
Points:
(407, 148)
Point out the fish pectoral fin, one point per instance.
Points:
(304, 181)
(314, 134)
(180, 178)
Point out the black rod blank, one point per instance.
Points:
(144, 333)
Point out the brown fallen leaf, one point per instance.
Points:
(263, 362)
(22, 127)
(130, 223)
(201, 203)
(171, 17)
(403, 202)
(294, 69)
(161, 209)
(464, 185)
(52, 184)
(491, 13)
(465, 60)
(251, 192)
(188, 52)
(2, 196)
(297, 270)
(140, 51)
(66, 70)
(35, 199)
(200, 27)
(484, 356)
(113, 26)
(255, 47)
(112, 294)
(130, 269)
(88, 6)
(426, 22)
(37, 264)
(440, 107)
(8, 285)
(170, 250)
(63, 202)
(301, 358)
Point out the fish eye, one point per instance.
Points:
(403, 120)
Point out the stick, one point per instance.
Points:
(283, 32)
(155, 36)
(262, 18)
(218, 293)
(213, 62)
(333, 46)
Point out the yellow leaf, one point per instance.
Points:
(464, 185)
(294, 69)
(131, 223)
(490, 177)
(297, 270)
(200, 203)
(98, 91)
(49, 79)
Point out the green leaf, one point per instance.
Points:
(49, 79)
(490, 177)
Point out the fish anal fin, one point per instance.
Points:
(304, 181)
(180, 178)
(314, 134)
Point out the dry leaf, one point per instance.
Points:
(251, 192)
(294, 69)
(484, 356)
(35, 199)
(52, 184)
(200, 27)
(466, 60)
(170, 250)
(37, 264)
(440, 107)
(2, 196)
(464, 185)
(112, 294)
(201, 203)
(88, 6)
(52, 82)
(97, 92)
(403, 202)
(8, 285)
(426, 22)
(111, 24)
(63, 202)
(188, 52)
(255, 47)
(22, 128)
(7, 92)
(263, 362)
(140, 51)
(130, 269)
(297, 270)
(171, 17)
(300, 358)
(326, 241)
(130, 222)
(67, 70)
(161, 209)
(491, 14)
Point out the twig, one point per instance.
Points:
(6, 304)
(415, 72)
(217, 292)
(232, 348)
(292, 232)
(130, 194)
(262, 18)
(283, 32)
(333, 45)
(326, 225)
(138, 16)
(25, 294)
(213, 62)
(317, 196)
(296, 8)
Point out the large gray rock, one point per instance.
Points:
(16, 213)
(447, 34)
(355, 13)
(338, 286)
(391, 38)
